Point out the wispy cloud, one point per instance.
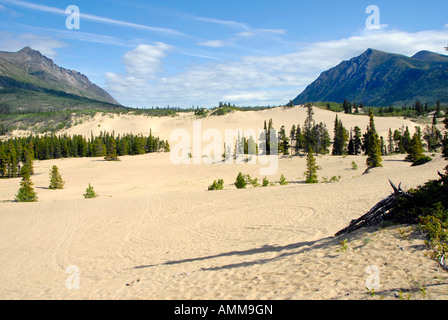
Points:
(78, 35)
(95, 18)
(228, 23)
(213, 43)
(274, 31)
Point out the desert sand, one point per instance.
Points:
(155, 232)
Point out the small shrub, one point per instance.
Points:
(265, 182)
(90, 193)
(332, 179)
(241, 182)
(354, 165)
(344, 246)
(254, 182)
(283, 181)
(217, 185)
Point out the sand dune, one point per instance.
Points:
(155, 232)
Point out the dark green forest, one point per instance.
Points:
(16, 152)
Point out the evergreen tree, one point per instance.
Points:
(292, 137)
(28, 161)
(340, 138)
(299, 143)
(433, 138)
(90, 192)
(26, 191)
(357, 142)
(311, 168)
(351, 145)
(398, 140)
(383, 147)
(415, 150)
(3, 161)
(406, 140)
(308, 137)
(111, 150)
(241, 182)
(56, 181)
(373, 145)
(391, 142)
(252, 148)
(283, 146)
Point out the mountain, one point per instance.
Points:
(29, 80)
(378, 78)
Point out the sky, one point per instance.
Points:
(184, 53)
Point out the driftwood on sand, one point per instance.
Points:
(378, 213)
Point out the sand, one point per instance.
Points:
(155, 232)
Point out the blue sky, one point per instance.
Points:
(183, 53)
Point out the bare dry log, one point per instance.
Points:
(378, 213)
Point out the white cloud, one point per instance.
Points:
(274, 31)
(212, 43)
(263, 80)
(245, 34)
(146, 60)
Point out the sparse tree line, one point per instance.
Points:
(315, 139)
(415, 109)
(16, 152)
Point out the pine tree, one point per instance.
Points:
(90, 192)
(308, 138)
(111, 150)
(3, 161)
(241, 182)
(351, 145)
(391, 142)
(56, 181)
(383, 147)
(340, 138)
(406, 140)
(415, 150)
(299, 143)
(373, 145)
(292, 137)
(311, 168)
(26, 192)
(357, 142)
(283, 146)
(433, 138)
(28, 161)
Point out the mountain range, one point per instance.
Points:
(378, 78)
(29, 81)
